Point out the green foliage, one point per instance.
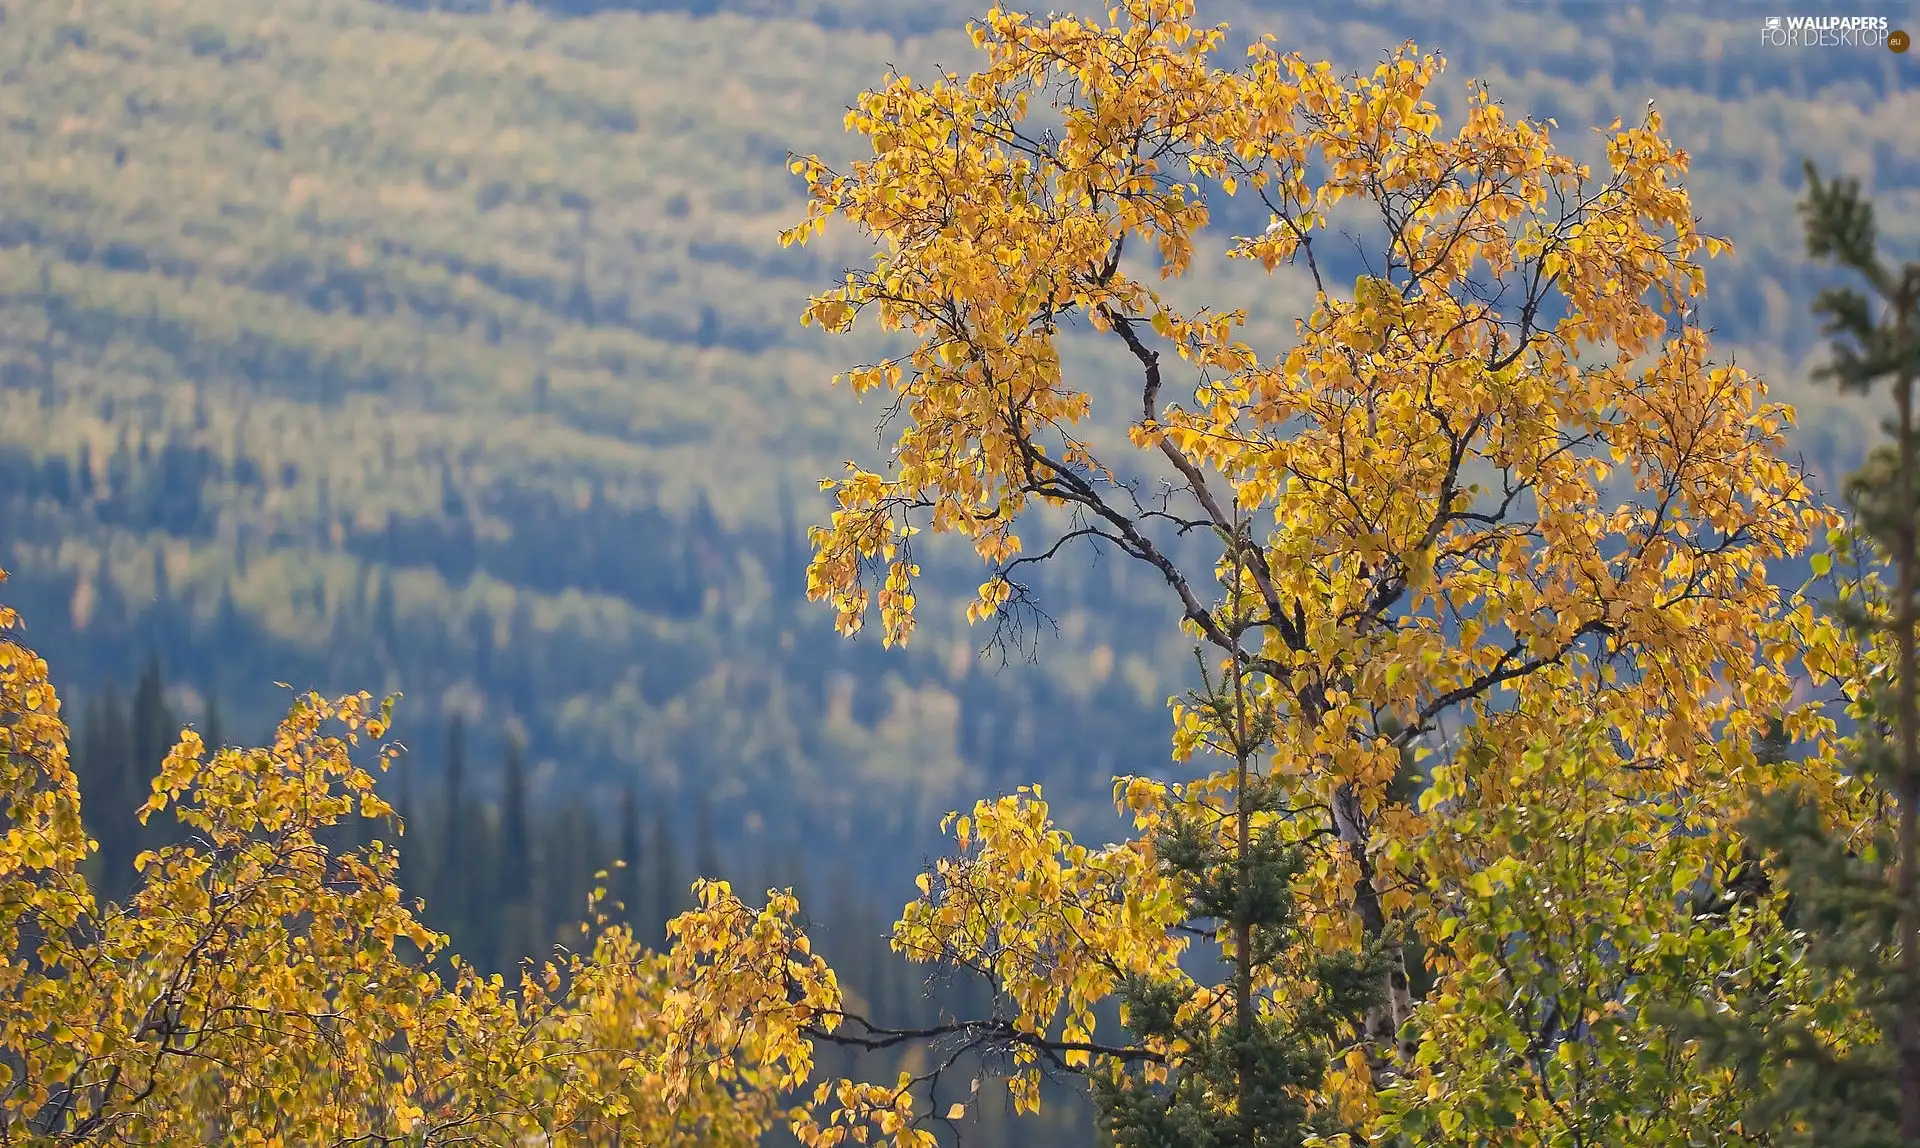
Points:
(1821, 1076)
(1272, 1062)
(1246, 1083)
(1839, 1073)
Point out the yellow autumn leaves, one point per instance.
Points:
(1496, 484)
(258, 988)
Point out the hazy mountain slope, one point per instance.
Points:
(351, 346)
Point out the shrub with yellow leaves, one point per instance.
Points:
(257, 988)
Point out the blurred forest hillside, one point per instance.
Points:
(449, 351)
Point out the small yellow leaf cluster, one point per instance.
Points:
(1058, 925)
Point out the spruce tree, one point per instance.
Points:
(101, 790)
(452, 882)
(212, 732)
(1243, 1085)
(626, 887)
(520, 932)
(706, 854)
(384, 614)
(118, 787)
(1850, 906)
(516, 858)
(593, 860)
(670, 892)
(154, 731)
